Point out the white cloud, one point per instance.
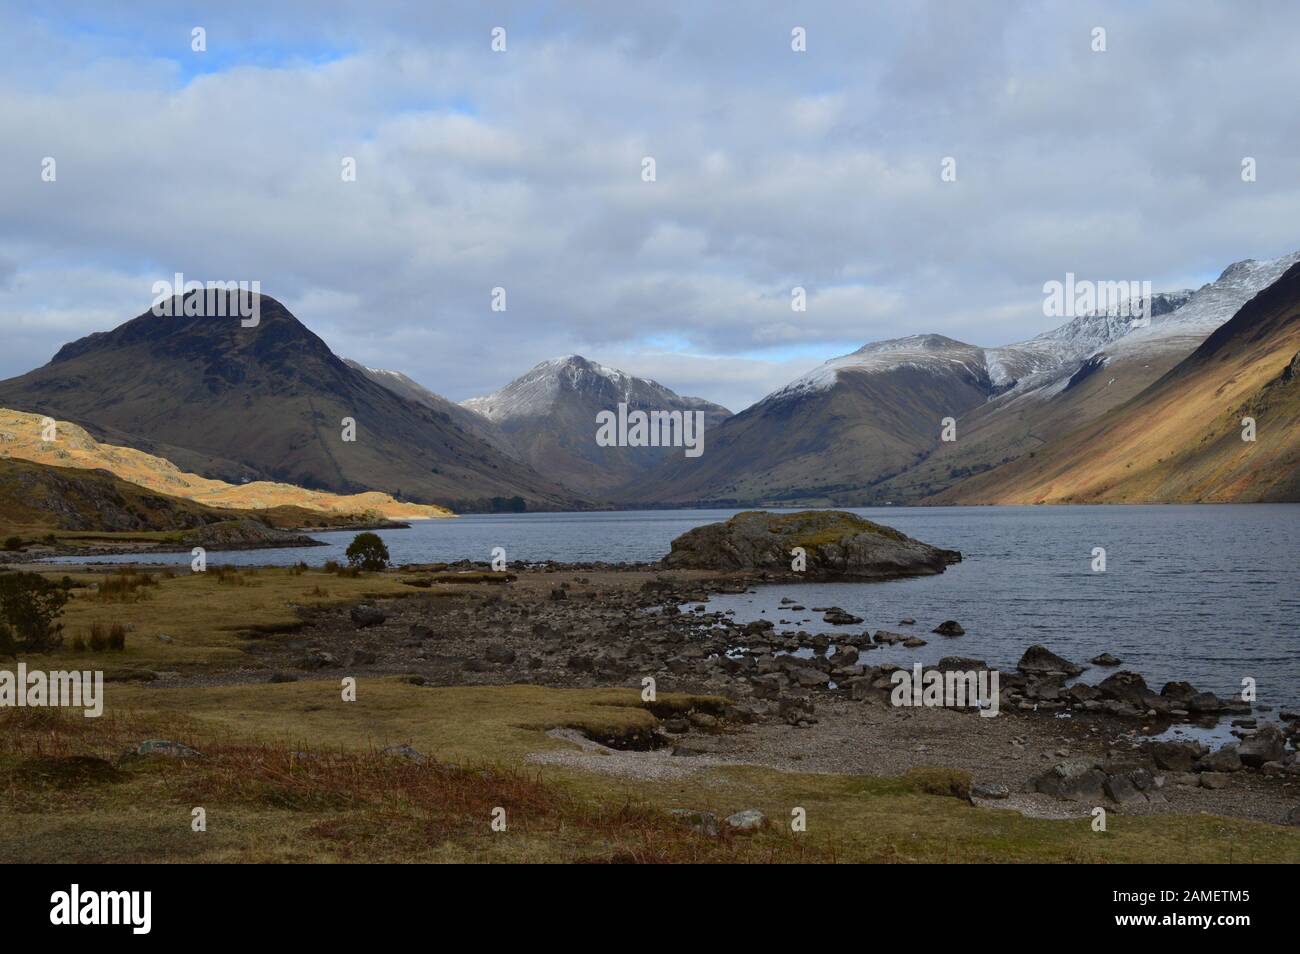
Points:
(522, 170)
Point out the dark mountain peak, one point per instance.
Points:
(221, 328)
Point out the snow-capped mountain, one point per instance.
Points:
(865, 427)
(549, 415)
(536, 393)
(935, 353)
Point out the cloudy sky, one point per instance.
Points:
(523, 169)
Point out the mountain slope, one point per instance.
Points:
(549, 415)
(38, 497)
(468, 421)
(21, 438)
(1180, 440)
(269, 401)
(1126, 359)
(828, 436)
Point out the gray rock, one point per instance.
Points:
(1266, 745)
(1121, 789)
(1073, 781)
(1174, 756)
(706, 823)
(363, 616)
(1227, 759)
(1106, 659)
(407, 752)
(751, 819)
(949, 627)
(165, 748)
(1215, 779)
(989, 790)
(838, 617)
(1040, 659)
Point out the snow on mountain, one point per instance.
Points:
(536, 393)
(1205, 310)
(927, 352)
(1045, 363)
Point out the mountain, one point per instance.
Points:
(549, 416)
(21, 437)
(1180, 440)
(1112, 366)
(465, 419)
(865, 428)
(826, 437)
(269, 402)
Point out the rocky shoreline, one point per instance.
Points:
(787, 698)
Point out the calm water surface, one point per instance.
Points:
(1206, 593)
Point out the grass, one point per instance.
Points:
(67, 795)
(340, 799)
(208, 615)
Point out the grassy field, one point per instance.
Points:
(292, 772)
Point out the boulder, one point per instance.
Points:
(751, 819)
(706, 823)
(1121, 789)
(407, 752)
(1174, 756)
(836, 544)
(1040, 659)
(989, 790)
(1125, 686)
(1073, 781)
(1106, 659)
(164, 748)
(838, 617)
(1227, 759)
(949, 627)
(363, 616)
(1266, 745)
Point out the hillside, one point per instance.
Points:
(269, 402)
(35, 496)
(1179, 440)
(20, 437)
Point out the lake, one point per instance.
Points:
(1205, 593)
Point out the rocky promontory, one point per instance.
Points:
(834, 544)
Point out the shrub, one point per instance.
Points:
(125, 588)
(29, 606)
(13, 543)
(367, 552)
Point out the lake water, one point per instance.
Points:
(1206, 593)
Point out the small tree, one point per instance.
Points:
(367, 552)
(29, 606)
